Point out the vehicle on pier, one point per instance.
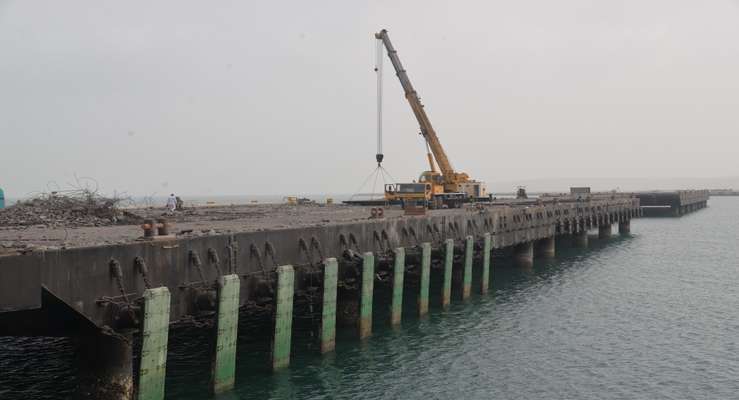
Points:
(422, 194)
(442, 186)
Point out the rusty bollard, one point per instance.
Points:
(163, 227)
(149, 228)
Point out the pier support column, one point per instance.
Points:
(546, 247)
(365, 301)
(446, 294)
(283, 317)
(468, 258)
(396, 308)
(624, 227)
(524, 254)
(580, 239)
(328, 314)
(105, 366)
(604, 231)
(423, 295)
(227, 322)
(486, 250)
(155, 334)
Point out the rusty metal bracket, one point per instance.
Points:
(213, 259)
(116, 272)
(316, 245)
(269, 250)
(233, 254)
(140, 266)
(378, 241)
(195, 260)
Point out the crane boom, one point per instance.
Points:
(423, 120)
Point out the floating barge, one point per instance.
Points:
(109, 295)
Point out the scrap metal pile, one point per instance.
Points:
(68, 209)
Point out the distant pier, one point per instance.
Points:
(672, 203)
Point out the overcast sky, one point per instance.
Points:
(273, 97)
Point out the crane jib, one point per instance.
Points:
(412, 96)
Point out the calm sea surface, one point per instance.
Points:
(651, 316)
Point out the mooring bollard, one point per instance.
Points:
(467, 280)
(396, 309)
(486, 248)
(446, 294)
(365, 301)
(283, 317)
(328, 315)
(423, 295)
(227, 321)
(154, 344)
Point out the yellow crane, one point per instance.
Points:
(438, 187)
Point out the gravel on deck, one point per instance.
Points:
(190, 222)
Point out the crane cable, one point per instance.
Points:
(378, 69)
(380, 172)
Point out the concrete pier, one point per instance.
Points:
(329, 266)
(546, 247)
(604, 231)
(580, 239)
(624, 227)
(524, 254)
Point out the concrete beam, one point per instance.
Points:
(155, 335)
(328, 312)
(281, 342)
(423, 295)
(396, 306)
(469, 255)
(226, 327)
(366, 295)
(446, 294)
(486, 253)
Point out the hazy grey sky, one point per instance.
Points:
(275, 97)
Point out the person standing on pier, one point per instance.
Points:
(172, 203)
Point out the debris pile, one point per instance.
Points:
(69, 209)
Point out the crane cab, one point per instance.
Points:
(434, 180)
